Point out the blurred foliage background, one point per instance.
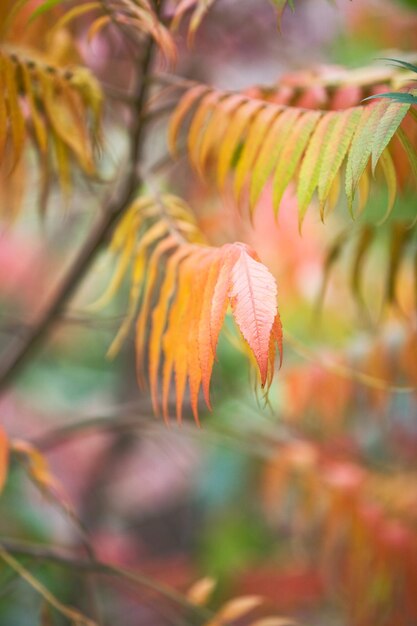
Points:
(309, 500)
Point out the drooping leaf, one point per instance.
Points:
(235, 127)
(254, 304)
(400, 97)
(181, 290)
(291, 155)
(270, 152)
(311, 166)
(400, 238)
(335, 151)
(387, 126)
(256, 133)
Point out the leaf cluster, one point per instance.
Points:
(57, 111)
(258, 141)
(183, 288)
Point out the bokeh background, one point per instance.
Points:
(310, 499)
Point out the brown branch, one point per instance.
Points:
(23, 346)
(57, 556)
(74, 616)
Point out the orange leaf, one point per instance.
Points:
(205, 347)
(196, 309)
(230, 254)
(159, 317)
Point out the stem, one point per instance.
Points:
(72, 614)
(51, 555)
(23, 346)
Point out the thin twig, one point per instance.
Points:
(72, 614)
(53, 555)
(125, 418)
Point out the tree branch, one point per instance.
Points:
(22, 347)
(52, 555)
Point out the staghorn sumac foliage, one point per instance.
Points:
(279, 137)
(194, 293)
(213, 195)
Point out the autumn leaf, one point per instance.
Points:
(181, 291)
(201, 591)
(254, 304)
(57, 110)
(254, 139)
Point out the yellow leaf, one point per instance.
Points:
(257, 131)
(37, 464)
(159, 317)
(185, 104)
(75, 12)
(291, 154)
(97, 26)
(311, 165)
(37, 121)
(153, 268)
(215, 129)
(203, 112)
(201, 591)
(274, 621)
(235, 609)
(270, 152)
(236, 126)
(155, 232)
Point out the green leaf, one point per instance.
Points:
(270, 152)
(308, 178)
(400, 63)
(44, 7)
(335, 151)
(386, 129)
(404, 98)
(360, 150)
(292, 153)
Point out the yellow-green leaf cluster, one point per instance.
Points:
(320, 151)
